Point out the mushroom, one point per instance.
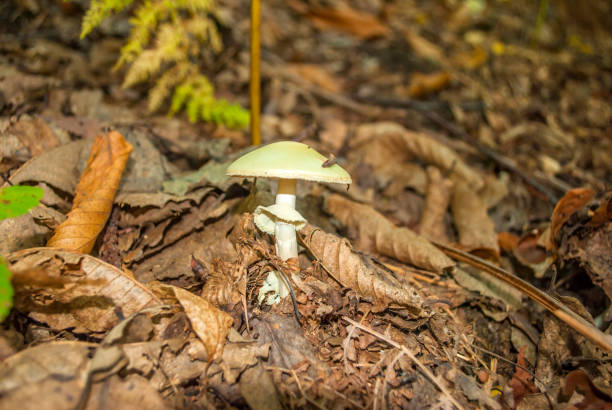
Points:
(286, 161)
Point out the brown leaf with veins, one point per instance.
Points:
(95, 193)
(88, 295)
(426, 148)
(208, 322)
(375, 233)
(357, 271)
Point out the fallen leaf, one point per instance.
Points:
(422, 85)
(522, 381)
(49, 376)
(424, 47)
(209, 323)
(18, 199)
(475, 228)
(571, 202)
(375, 233)
(425, 148)
(95, 193)
(316, 75)
(86, 303)
(358, 271)
(433, 223)
(350, 21)
(593, 398)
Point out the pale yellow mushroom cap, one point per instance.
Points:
(288, 160)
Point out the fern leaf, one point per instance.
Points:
(98, 11)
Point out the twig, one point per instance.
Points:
(411, 355)
(558, 309)
(299, 385)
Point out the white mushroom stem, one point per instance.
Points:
(286, 240)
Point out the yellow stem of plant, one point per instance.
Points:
(255, 84)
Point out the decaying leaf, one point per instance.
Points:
(425, 148)
(522, 381)
(424, 84)
(433, 225)
(209, 323)
(95, 193)
(376, 233)
(357, 23)
(475, 228)
(571, 202)
(358, 271)
(49, 376)
(316, 75)
(593, 398)
(92, 290)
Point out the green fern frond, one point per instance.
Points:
(167, 81)
(149, 62)
(196, 95)
(98, 11)
(165, 47)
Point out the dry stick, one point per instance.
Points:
(411, 355)
(255, 82)
(548, 302)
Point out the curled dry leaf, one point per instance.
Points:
(376, 233)
(90, 292)
(571, 202)
(209, 323)
(221, 286)
(475, 228)
(95, 193)
(357, 271)
(426, 149)
(438, 195)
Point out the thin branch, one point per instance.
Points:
(411, 355)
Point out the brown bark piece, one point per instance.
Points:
(358, 271)
(95, 193)
(377, 234)
(436, 202)
(476, 230)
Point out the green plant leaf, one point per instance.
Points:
(18, 200)
(6, 291)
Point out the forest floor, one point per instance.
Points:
(478, 135)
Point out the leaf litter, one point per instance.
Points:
(459, 132)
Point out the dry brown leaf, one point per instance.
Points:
(375, 233)
(475, 228)
(316, 75)
(49, 376)
(433, 225)
(358, 271)
(425, 84)
(571, 202)
(82, 303)
(209, 323)
(425, 148)
(424, 47)
(95, 193)
(356, 23)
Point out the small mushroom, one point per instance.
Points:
(286, 161)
